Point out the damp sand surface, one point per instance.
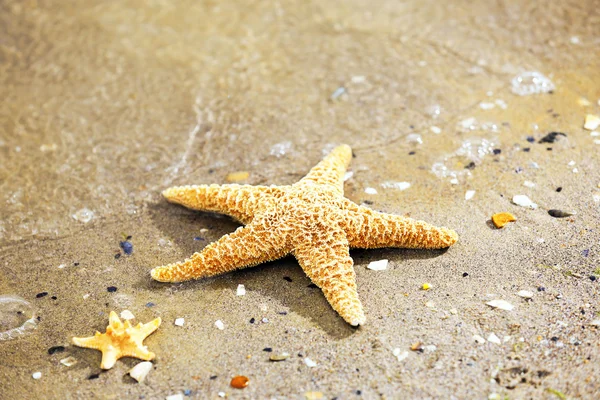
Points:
(449, 108)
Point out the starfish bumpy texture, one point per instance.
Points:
(311, 220)
(120, 340)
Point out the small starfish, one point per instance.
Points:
(311, 220)
(120, 340)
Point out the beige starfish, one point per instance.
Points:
(311, 220)
(120, 340)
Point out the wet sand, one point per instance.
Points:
(105, 105)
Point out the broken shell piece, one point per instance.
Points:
(524, 201)
(560, 213)
(399, 354)
(237, 176)
(501, 304)
(494, 339)
(219, 324)
(378, 265)
(503, 218)
(127, 315)
(179, 321)
(591, 122)
(241, 290)
(526, 294)
(417, 346)
(309, 363)
(279, 357)
(140, 371)
(469, 194)
(69, 361)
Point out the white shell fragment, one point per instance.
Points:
(140, 371)
(501, 304)
(435, 130)
(529, 184)
(179, 321)
(494, 339)
(591, 122)
(69, 361)
(396, 185)
(219, 324)
(348, 175)
(370, 190)
(279, 357)
(378, 265)
(127, 315)
(526, 294)
(524, 201)
(241, 290)
(310, 363)
(36, 375)
(399, 354)
(478, 339)
(176, 396)
(469, 194)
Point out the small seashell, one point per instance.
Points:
(126, 314)
(418, 346)
(524, 201)
(310, 363)
(69, 361)
(560, 213)
(140, 371)
(469, 194)
(279, 357)
(494, 339)
(501, 304)
(179, 321)
(219, 324)
(501, 219)
(378, 265)
(399, 354)
(241, 290)
(239, 382)
(526, 294)
(370, 190)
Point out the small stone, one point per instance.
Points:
(501, 304)
(529, 184)
(239, 382)
(126, 314)
(219, 324)
(591, 122)
(378, 265)
(396, 185)
(179, 321)
(176, 396)
(237, 176)
(279, 357)
(478, 339)
(561, 213)
(469, 194)
(69, 361)
(241, 290)
(526, 294)
(221, 394)
(348, 175)
(140, 370)
(426, 286)
(370, 190)
(494, 339)
(524, 201)
(399, 354)
(503, 218)
(127, 247)
(310, 363)
(435, 130)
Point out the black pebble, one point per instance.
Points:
(150, 304)
(549, 148)
(465, 274)
(129, 237)
(287, 278)
(530, 139)
(252, 320)
(111, 289)
(76, 264)
(559, 189)
(541, 289)
(212, 378)
(94, 376)
(470, 165)
(554, 338)
(198, 238)
(54, 297)
(497, 151)
(358, 392)
(282, 312)
(592, 278)
(127, 247)
(412, 153)
(369, 202)
(268, 349)
(56, 349)
(210, 171)
(42, 294)
(559, 213)
(117, 256)
(526, 149)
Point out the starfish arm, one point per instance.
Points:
(326, 261)
(237, 201)
(247, 246)
(146, 329)
(366, 228)
(138, 351)
(330, 171)
(92, 342)
(109, 357)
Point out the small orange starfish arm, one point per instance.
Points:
(368, 229)
(237, 201)
(239, 249)
(330, 171)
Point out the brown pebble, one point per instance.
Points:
(501, 219)
(560, 213)
(239, 382)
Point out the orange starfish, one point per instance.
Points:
(120, 340)
(311, 220)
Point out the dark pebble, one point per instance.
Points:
(559, 213)
(76, 264)
(530, 139)
(470, 165)
(42, 294)
(282, 312)
(585, 252)
(592, 278)
(541, 289)
(526, 149)
(369, 202)
(312, 286)
(518, 170)
(54, 298)
(198, 238)
(268, 349)
(465, 274)
(56, 349)
(187, 392)
(358, 392)
(150, 304)
(127, 247)
(497, 151)
(287, 278)
(129, 237)
(252, 320)
(117, 256)
(554, 338)
(111, 289)
(212, 378)
(549, 148)
(94, 376)
(211, 171)
(412, 153)
(559, 189)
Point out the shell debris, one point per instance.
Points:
(140, 371)
(503, 218)
(500, 304)
(378, 265)
(591, 122)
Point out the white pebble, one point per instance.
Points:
(454, 181)
(501, 103)
(370, 190)
(494, 339)
(591, 122)
(221, 394)
(85, 296)
(241, 290)
(435, 130)
(524, 201)
(501, 304)
(127, 315)
(478, 339)
(140, 371)
(348, 175)
(358, 79)
(468, 123)
(265, 320)
(430, 304)
(36, 375)
(310, 363)
(378, 265)
(219, 324)
(506, 339)
(574, 40)
(177, 396)
(571, 163)
(61, 266)
(84, 215)
(414, 138)
(396, 185)
(526, 294)
(486, 106)
(399, 354)
(453, 311)
(529, 184)
(180, 321)
(469, 194)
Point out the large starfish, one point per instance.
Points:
(311, 220)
